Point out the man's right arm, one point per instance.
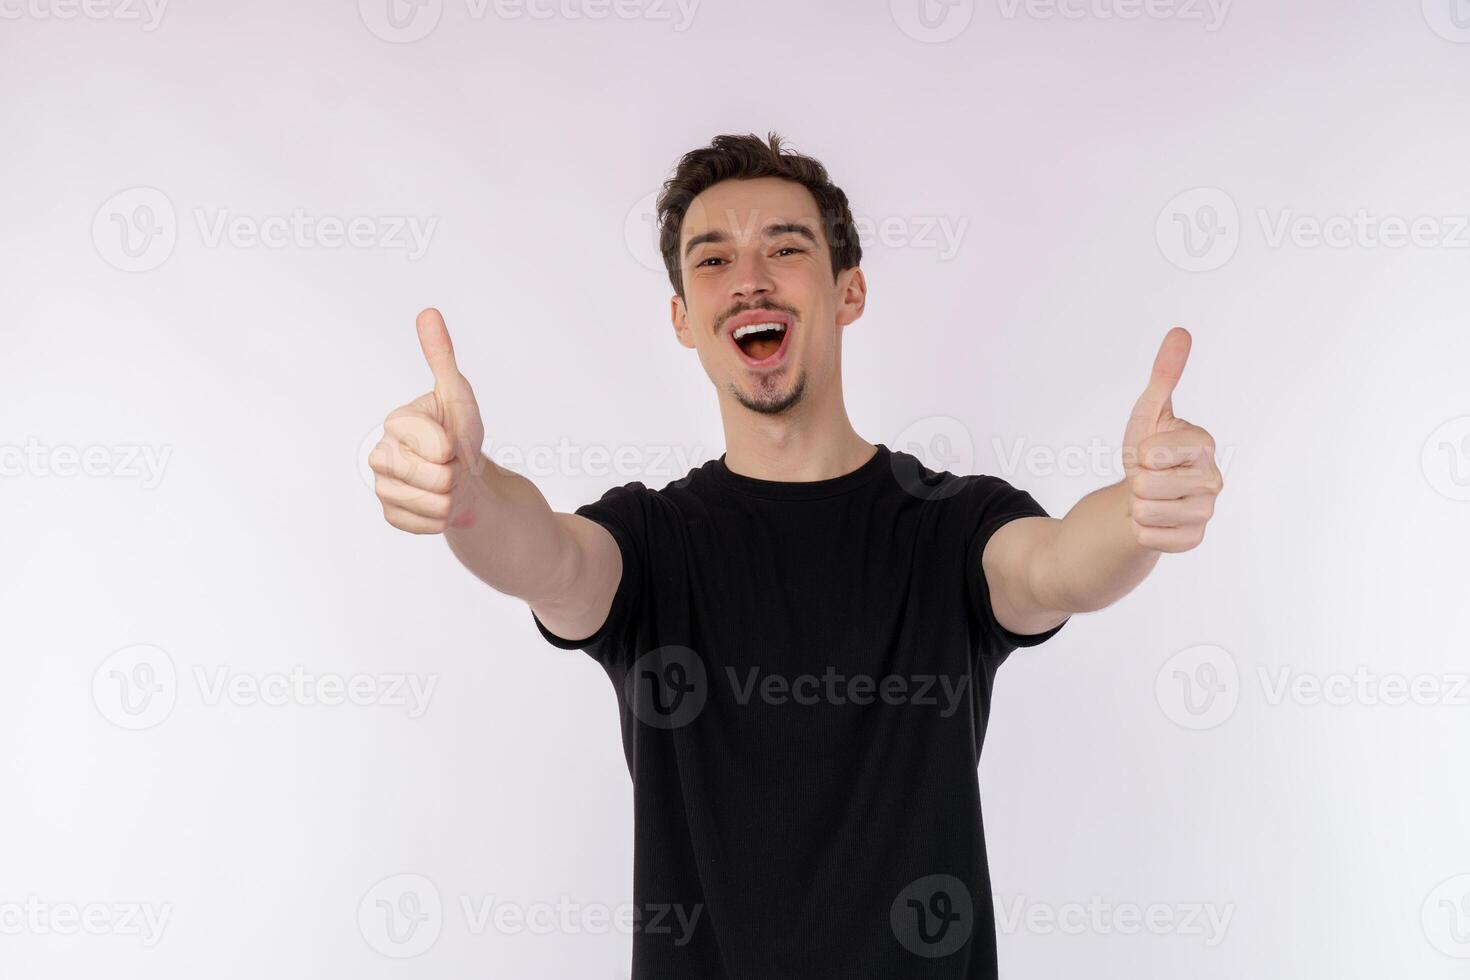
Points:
(432, 478)
(566, 567)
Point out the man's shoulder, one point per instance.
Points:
(936, 482)
(646, 494)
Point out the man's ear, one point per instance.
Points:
(852, 298)
(680, 316)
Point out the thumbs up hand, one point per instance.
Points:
(1169, 463)
(429, 458)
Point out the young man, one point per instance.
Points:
(802, 634)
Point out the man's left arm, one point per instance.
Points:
(1040, 570)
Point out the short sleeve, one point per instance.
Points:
(622, 511)
(992, 503)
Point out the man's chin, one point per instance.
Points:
(770, 396)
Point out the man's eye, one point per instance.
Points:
(783, 248)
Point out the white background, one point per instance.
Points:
(1333, 377)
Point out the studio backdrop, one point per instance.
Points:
(247, 729)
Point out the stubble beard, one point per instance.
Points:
(769, 399)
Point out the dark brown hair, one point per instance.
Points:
(746, 158)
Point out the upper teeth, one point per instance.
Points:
(751, 328)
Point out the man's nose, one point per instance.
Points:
(752, 281)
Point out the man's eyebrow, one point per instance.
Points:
(717, 236)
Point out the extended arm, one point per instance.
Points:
(432, 478)
(1040, 570)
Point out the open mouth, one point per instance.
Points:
(761, 344)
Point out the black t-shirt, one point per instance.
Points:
(804, 673)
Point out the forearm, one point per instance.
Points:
(509, 536)
(1093, 558)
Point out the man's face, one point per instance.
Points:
(754, 253)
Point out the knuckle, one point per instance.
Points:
(414, 443)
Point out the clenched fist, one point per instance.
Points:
(1170, 464)
(429, 459)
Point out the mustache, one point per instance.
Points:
(746, 309)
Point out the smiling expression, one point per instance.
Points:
(760, 302)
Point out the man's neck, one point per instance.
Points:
(798, 449)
